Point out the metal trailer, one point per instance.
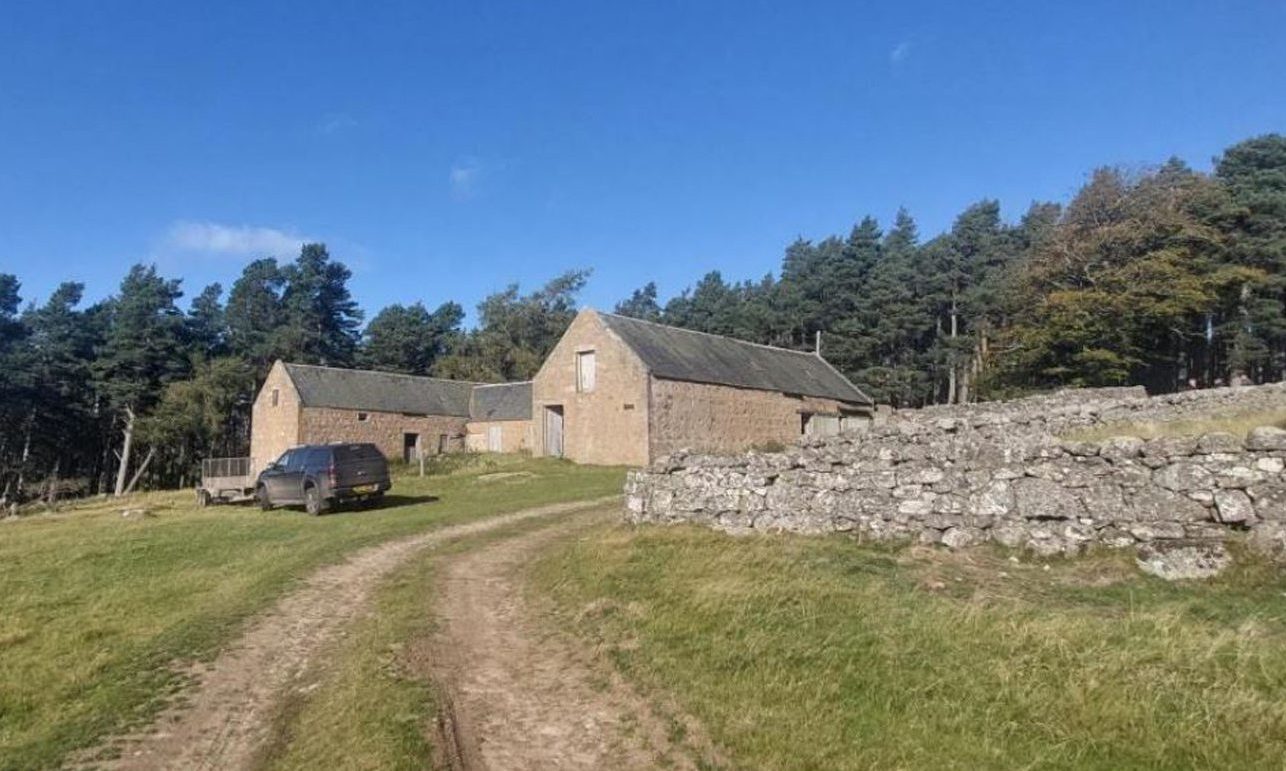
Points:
(226, 480)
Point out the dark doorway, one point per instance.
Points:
(410, 447)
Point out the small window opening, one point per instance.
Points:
(362, 416)
(585, 374)
(276, 396)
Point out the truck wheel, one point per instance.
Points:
(261, 497)
(313, 503)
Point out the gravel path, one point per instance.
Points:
(517, 694)
(224, 721)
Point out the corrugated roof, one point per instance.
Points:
(682, 354)
(502, 401)
(358, 389)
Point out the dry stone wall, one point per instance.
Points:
(996, 472)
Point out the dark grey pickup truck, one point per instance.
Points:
(320, 476)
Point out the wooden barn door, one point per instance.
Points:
(554, 431)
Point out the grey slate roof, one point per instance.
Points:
(682, 354)
(357, 389)
(502, 401)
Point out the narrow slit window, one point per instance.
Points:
(585, 374)
(276, 395)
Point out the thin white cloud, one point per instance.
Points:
(335, 123)
(213, 238)
(900, 52)
(464, 179)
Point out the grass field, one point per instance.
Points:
(807, 653)
(96, 610)
(1239, 424)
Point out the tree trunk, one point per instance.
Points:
(1238, 375)
(951, 356)
(141, 468)
(126, 445)
(51, 498)
(26, 451)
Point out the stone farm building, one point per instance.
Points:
(403, 415)
(615, 390)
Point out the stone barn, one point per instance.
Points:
(614, 390)
(403, 415)
(500, 418)
(617, 390)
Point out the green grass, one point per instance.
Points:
(805, 653)
(1238, 423)
(97, 610)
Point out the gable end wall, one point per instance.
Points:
(273, 430)
(608, 426)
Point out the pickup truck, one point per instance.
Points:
(322, 476)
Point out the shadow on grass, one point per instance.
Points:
(384, 504)
(396, 501)
(360, 507)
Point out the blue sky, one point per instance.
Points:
(445, 149)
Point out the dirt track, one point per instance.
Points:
(225, 720)
(519, 695)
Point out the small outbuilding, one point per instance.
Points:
(404, 415)
(500, 418)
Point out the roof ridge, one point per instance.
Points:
(712, 334)
(389, 374)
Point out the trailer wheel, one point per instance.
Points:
(261, 497)
(202, 497)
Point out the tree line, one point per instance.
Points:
(135, 390)
(1166, 277)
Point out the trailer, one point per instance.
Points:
(226, 480)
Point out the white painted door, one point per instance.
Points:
(493, 439)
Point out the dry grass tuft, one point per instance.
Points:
(1239, 424)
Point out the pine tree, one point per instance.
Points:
(12, 339)
(321, 320)
(254, 313)
(206, 325)
(408, 338)
(641, 304)
(143, 350)
(1253, 173)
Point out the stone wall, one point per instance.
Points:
(386, 430)
(1067, 410)
(515, 435)
(966, 475)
